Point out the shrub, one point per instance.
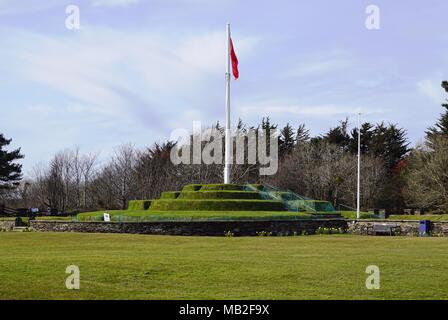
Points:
(229, 234)
(139, 204)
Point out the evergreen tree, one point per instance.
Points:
(241, 125)
(269, 130)
(287, 140)
(339, 135)
(266, 125)
(389, 143)
(302, 135)
(441, 127)
(366, 138)
(10, 172)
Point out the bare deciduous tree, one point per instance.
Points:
(427, 175)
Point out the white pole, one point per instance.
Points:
(228, 145)
(358, 193)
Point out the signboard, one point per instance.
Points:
(106, 217)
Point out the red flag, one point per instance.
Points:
(234, 60)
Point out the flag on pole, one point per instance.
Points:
(234, 60)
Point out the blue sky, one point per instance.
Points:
(136, 70)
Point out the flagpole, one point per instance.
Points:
(228, 144)
(358, 191)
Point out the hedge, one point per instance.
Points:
(219, 195)
(139, 204)
(170, 195)
(217, 205)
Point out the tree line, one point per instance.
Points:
(394, 176)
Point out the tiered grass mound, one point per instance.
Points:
(232, 198)
(216, 197)
(220, 202)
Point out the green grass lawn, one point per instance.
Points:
(7, 218)
(352, 215)
(113, 266)
(150, 215)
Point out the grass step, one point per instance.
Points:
(217, 205)
(139, 204)
(192, 187)
(170, 195)
(224, 194)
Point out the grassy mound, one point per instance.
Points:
(232, 197)
(222, 201)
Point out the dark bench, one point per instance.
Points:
(381, 228)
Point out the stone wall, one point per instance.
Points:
(440, 229)
(238, 228)
(407, 227)
(7, 225)
(192, 228)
